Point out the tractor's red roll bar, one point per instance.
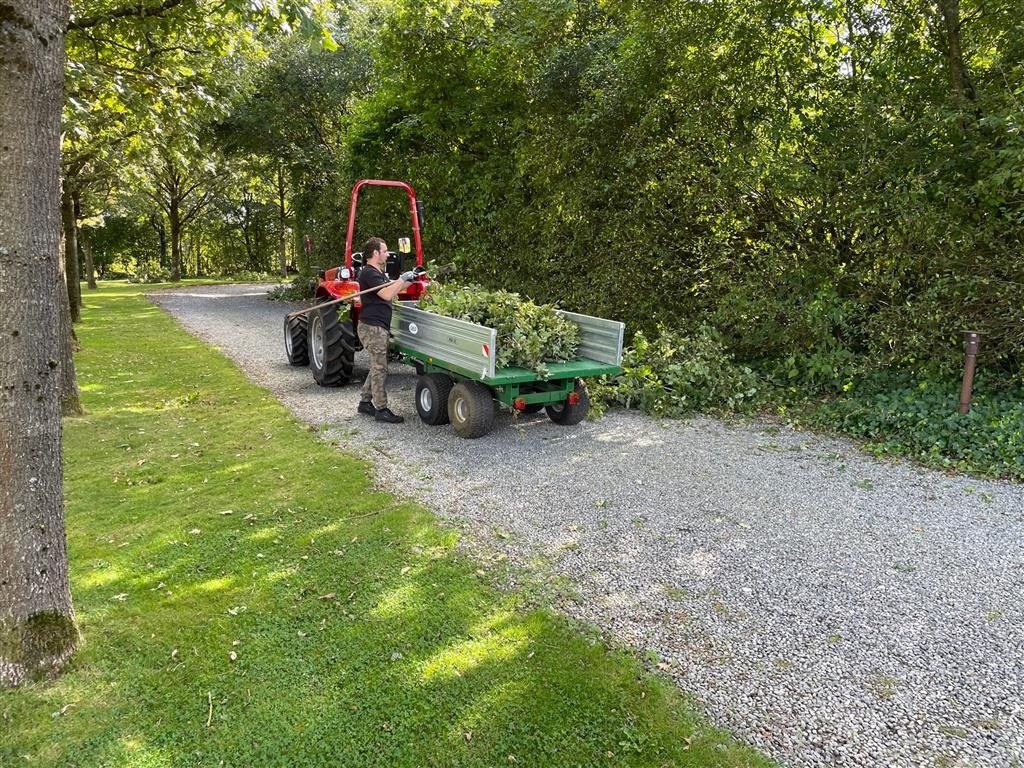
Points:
(412, 209)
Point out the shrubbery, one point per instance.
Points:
(299, 289)
(150, 273)
(901, 415)
(678, 372)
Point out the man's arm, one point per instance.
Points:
(392, 289)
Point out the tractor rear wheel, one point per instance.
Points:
(332, 348)
(471, 409)
(432, 392)
(567, 413)
(296, 332)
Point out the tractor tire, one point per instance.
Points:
(296, 345)
(471, 409)
(332, 348)
(432, 391)
(566, 414)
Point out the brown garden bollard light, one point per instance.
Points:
(972, 341)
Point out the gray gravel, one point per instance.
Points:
(826, 607)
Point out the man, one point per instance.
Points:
(374, 325)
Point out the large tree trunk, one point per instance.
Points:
(70, 398)
(37, 624)
(282, 236)
(67, 210)
(90, 269)
(157, 222)
(84, 260)
(175, 222)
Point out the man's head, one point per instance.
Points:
(375, 252)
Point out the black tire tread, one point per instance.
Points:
(440, 389)
(339, 351)
(298, 328)
(481, 409)
(568, 415)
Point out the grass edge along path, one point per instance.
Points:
(248, 599)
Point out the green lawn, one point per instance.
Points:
(248, 599)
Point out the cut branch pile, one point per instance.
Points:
(529, 334)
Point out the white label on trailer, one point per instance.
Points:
(413, 328)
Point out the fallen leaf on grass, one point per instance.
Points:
(195, 531)
(328, 596)
(404, 571)
(120, 597)
(232, 655)
(228, 512)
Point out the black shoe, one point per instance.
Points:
(365, 406)
(384, 414)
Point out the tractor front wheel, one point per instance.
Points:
(569, 413)
(296, 332)
(332, 348)
(432, 392)
(471, 409)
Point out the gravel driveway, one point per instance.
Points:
(831, 609)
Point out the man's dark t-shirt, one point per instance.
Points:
(375, 310)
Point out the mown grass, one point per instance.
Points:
(204, 522)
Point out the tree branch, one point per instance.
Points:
(138, 9)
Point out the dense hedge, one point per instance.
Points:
(833, 200)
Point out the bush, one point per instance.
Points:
(677, 373)
(299, 289)
(250, 276)
(150, 273)
(529, 334)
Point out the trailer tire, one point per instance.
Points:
(432, 392)
(296, 345)
(471, 409)
(332, 346)
(567, 415)
(532, 408)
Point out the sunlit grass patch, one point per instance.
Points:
(246, 596)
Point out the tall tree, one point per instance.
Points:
(37, 624)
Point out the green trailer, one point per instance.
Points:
(459, 381)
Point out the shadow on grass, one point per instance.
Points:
(248, 599)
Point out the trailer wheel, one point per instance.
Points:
(331, 348)
(471, 409)
(566, 414)
(432, 392)
(532, 408)
(296, 331)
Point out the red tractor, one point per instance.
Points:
(321, 338)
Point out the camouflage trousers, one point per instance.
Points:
(375, 342)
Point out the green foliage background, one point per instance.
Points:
(803, 176)
(792, 201)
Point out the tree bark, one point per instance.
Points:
(174, 219)
(282, 236)
(80, 248)
(67, 210)
(90, 269)
(959, 78)
(157, 222)
(37, 623)
(70, 399)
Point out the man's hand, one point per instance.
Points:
(408, 277)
